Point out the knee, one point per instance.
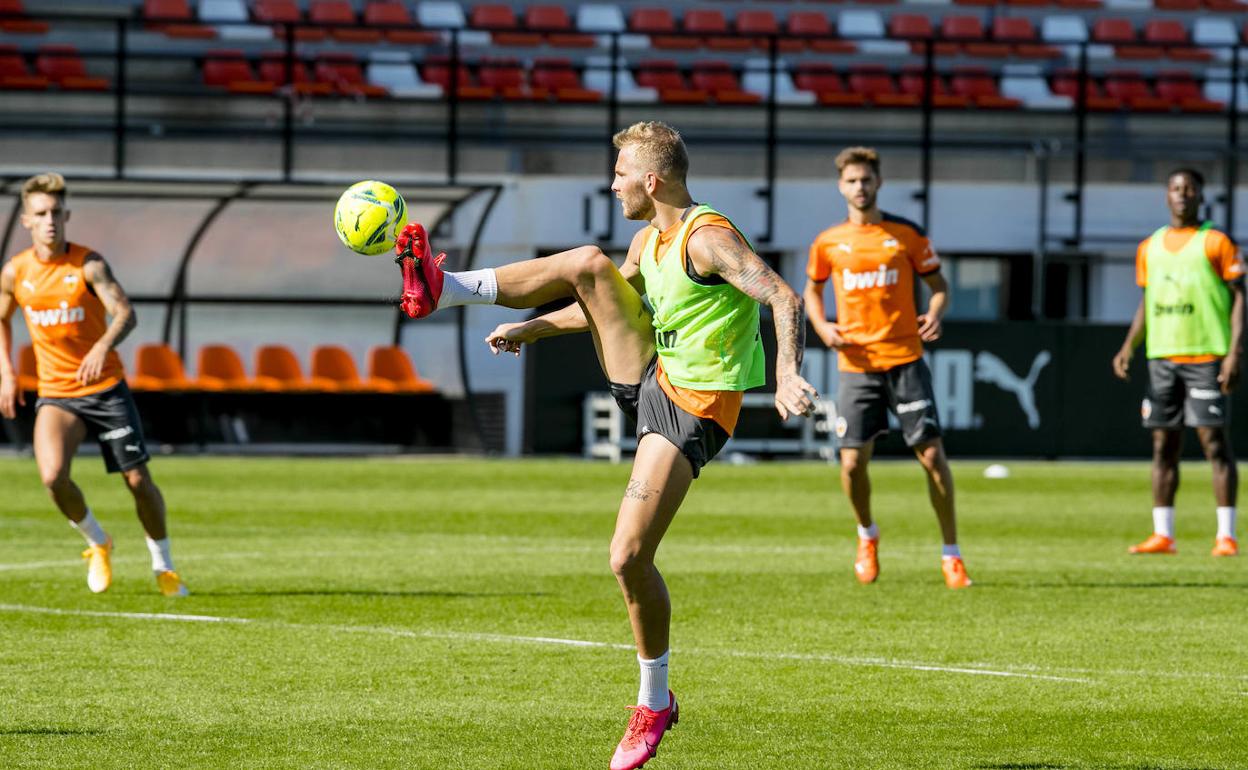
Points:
(853, 468)
(627, 560)
(54, 479)
(930, 457)
(139, 481)
(590, 263)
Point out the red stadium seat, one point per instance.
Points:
(718, 79)
(661, 26)
(761, 22)
(980, 86)
(1182, 90)
(506, 78)
(396, 23)
(273, 70)
(558, 78)
(437, 70)
(157, 367)
(1066, 83)
(1177, 5)
(874, 82)
(914, 81)
(228, 69)
(1113, 31)
(19, 26)
(970, 30)
(711, 22)
(663, 76)
(341, 12)
(1131, 89)
(27, 369)
(61, 64)
(392, 365)
(823, 80)
(816, 31)
(560, 31)
(910, 26)
(14, 75)
(503, 25)
(343, 72)
(218, 368)
(174, 18)
(284, 12)
(1173, 33)
(1020, 31)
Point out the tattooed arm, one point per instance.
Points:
(718, 251)
(117, 304)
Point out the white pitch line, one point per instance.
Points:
(541, 640)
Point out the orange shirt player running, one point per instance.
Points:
(65, 319)
(872, 267)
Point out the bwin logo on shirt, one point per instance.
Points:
(851, 281)
(57, 316)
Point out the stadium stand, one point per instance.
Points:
(157, 367)
(219, 368)
(278, 369)
(390, 364)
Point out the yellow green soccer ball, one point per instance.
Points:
(369, 216)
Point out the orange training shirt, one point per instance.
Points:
(872, 268)
(722, 406)
(1223, 255)
(65, 320)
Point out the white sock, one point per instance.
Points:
(869, 533)
(654, 693)
(162, 561)
(950, 552)
(91, 529)
(1226, 521)
(1163, 520)
(471, 287)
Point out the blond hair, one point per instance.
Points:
(50, 183)
(659, 148)
(858, 156)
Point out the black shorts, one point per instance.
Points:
(112, 420)
(864, 399)
(698, 438)
(1184, 394)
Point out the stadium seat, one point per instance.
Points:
(1064, 29)
(228, 69)
(230, 18)
(219, 367)
(914, 81)
(1182, 91)
(341, 12)
(762, 23)
(14, 74)
(1173, 34)
(396, 23)
(1177, 5)
(597, 77)
(1129, 88)
(824, 82)
(910, 26)
(157, 367)
(503, 25)
(969, 30)
(756, 79)
(342, 70)
(334, 364)
(174, 18)
(660, 25)
(437, 70)
(393, 71)
(556, 23)
(273, 70)
(449, 15)
(389, 364)
(663, 76)
(278, 369)
(19, 26)
(557, 77)
(1026, 83)
(1019, 31)
(855, 24)
(718, 79)
(600, 17)
(61, 64)
(1066, 83)
(282, 14)
(875, 83)
(27, 369)
(1216, 31)
(506, 78)
(816, 32)
(981, 87)
(711, 22)
(1218, 88)
(1113, 31)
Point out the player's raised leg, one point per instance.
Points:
(856, 481)
(1167, 446)
(1217, 445)
(660, 479)
(931, 455)
(58, 433)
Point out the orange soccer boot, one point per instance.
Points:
(867, 562)
(955, 572)
(1154, 544)
(1225, 546)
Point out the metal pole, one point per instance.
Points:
(288, 107)
(1081, 136)
(119, 104)
(768, 191)
(452, 112)
(1041, 249)
(613, 119)
(1232, 156)
(929, 79)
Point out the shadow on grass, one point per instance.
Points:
(49, 731)
(1056, 766)
(1233, 586)
(365, 593)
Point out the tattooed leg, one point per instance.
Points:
(661, 477)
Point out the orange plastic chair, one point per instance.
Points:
(333, 362)
(27, 369)
(278, 369)
(390, 364)
(157, 367)
(219, 368)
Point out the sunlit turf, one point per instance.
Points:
(407, 613)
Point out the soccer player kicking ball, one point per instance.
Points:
(67, 293)
(872, 259)
(1191, 320)
(680, 371)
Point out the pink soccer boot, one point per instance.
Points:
(422, 272)
(641, 738)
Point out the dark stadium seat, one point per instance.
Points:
(437, 70)
(823, 80)
(762, 22)
(711, 23)
(157, 367)
(1173, 34)
(663, 76)
(914, 81)
(15, 75)
(910, 26)
(874, 82)
(718, 79)
(979, 85)
(174, 18)
(342, 70)
(277, 368)
(1113, 30)
(506, 77)
(341, 12)
(557, 77)
(230, 70)
(27, 369)
(392, 365)
(219, 368)
(555, 17)
(334, 364)
(1182, 90)
(1177, 5)
(397, 23)
(280, 12)
(969, 30)
(660, 25)
(1019, 31)
(19, 26)
(817, 31)
(1130, 88)
(61, 64)
(1066, 83)
(503, 25)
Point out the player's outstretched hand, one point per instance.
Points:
(10, 397)
(507, 338)
(929, 327)
(1122, 362)
(794, 396)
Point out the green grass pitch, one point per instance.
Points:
(417, 613)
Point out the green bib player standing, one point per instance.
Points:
(1191, 320)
